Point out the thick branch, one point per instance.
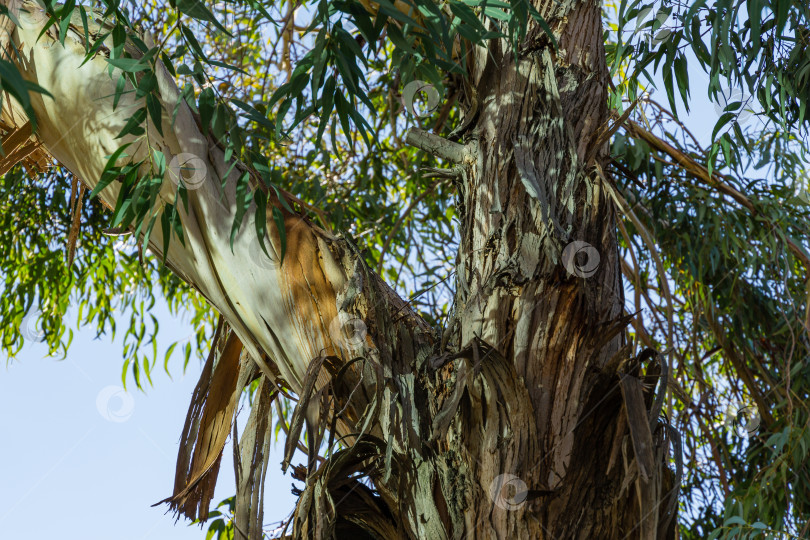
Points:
(437, 146)
(286, 312)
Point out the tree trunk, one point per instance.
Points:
(527, 416)
(539, 448)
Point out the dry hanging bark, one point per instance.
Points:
(508, 426)
(208, 424)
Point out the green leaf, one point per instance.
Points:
(260, 198)
(279, 219)
(543, 24)
(243, 198)
(681, 76)
(328, 101)
(129, 65)
(166, 228)
(12, 82)
(158, 162)
(724, 119)
(197, 10)
(119, 35)
(167, 62)
(227, 66)
(192, 41)
(110, 171)
(124, 373)
(134, 124)
(207, 105)
(155, 112)
(253, 114)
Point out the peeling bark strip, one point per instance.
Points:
(515, 424)
(17, 146)
(208, 425)
(251, 456)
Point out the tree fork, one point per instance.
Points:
(519, 426)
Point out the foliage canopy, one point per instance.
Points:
(317, 96)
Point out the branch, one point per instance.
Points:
(648, 239)
(700, 172)
(438, 146)
(401, 220)
(319, 301)
(285, 312)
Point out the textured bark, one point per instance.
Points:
(532, 193)
(541, 423)
(526, 417)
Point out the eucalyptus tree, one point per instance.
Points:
(455, 251)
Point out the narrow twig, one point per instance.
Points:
(674, 119)
(700, 172)
(637, 280)
(647, 237)
(401, 219)
(606, 131)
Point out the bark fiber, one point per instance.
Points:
(525, 418)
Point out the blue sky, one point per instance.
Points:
(81, 460)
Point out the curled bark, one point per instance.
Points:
(511, 425)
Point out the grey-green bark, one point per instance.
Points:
(525, 418)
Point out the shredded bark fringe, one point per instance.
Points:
(207, 426)
(250, 459)
(19, 145)
(77, 190)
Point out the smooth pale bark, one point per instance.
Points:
(513, 423)
(320, 302)
(288, 311)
